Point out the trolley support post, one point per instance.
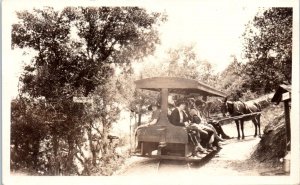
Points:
(164, 101)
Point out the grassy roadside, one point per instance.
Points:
(272, 145)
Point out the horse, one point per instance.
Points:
(237, 108)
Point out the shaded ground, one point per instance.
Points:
(234, 159)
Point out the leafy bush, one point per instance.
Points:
(273, 143)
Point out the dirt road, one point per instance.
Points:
(233, 159)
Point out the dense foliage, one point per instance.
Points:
(183, 62)
(77, 51)
(268, 54)
(268, 46)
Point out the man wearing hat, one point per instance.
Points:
(178, 116)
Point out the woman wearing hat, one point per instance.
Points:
(198, 119)
(155, 108)
(212, 138)
(200, 105)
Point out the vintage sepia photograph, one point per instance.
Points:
(193, 89)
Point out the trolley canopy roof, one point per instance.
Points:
(178, 85)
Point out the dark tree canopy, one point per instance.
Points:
(78, 47)
(268, 46)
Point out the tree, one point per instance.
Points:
(99, 116)
(81, 46)
(268, 47)
(27, 131)
(184, 62)
(77, 52)
(233, 79)
(180, 62)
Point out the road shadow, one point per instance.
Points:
(263, 169)
(204, 160)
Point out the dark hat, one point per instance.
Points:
(199, 102)
(179, 102)
(153, 104)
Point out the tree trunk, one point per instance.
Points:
(36, 147)
(92, 147)
(55, 150)
(104, 134)
(71, 153)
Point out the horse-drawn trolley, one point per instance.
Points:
(163, 140)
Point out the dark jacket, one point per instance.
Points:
(175, 118)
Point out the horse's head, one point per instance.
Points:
(226, 106)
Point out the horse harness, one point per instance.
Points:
(239, 110)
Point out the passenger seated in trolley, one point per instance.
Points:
(198, 107)
(179, 117)
(155, 108)
(201, 124)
